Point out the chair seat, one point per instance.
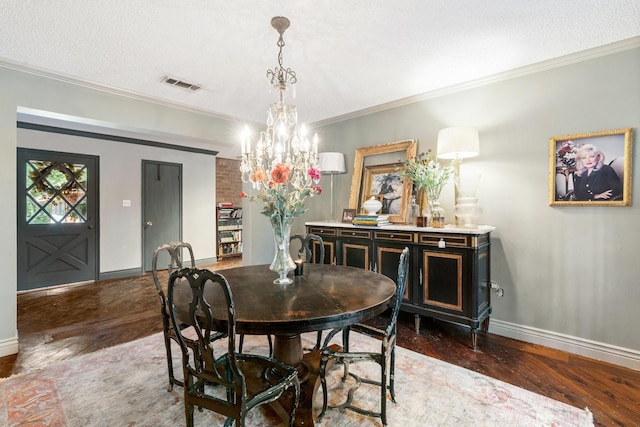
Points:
(262, 373)
(367, 330)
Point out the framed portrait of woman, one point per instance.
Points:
(591, 169)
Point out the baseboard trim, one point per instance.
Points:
(593, 349)
(120, 274)
(206, 261)
(8, 347)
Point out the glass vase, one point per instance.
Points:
(436, 213)
(468, 210)
(282, 261)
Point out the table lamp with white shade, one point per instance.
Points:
(455, 144)
(332, 163)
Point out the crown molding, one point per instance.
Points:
(562, 61)
(40, 72)
(585, 55)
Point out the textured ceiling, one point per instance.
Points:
(348, 55)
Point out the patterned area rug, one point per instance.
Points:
(126, 385)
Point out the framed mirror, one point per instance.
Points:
(377, 158)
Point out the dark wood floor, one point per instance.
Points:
(59, 323)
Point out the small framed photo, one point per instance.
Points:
(591, 169)
(348, 215)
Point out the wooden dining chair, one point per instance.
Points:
(385, 357)
(218, 378)
(170, 255)
(306, 249)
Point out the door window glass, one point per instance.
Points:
(55, 192)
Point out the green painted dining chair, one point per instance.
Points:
(169, 256)
(385, 357)
(216, 377)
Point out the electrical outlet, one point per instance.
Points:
(126, 203)
(498, 289)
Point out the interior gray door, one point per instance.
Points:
(162, 207)
(57, 218)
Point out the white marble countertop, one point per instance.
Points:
(449, 228)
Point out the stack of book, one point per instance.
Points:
(371, 220)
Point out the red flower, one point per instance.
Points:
(316, 189)
(243, 195)
(280, 173)
(314, 174)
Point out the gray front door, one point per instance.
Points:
(57, 218)
(162, 207)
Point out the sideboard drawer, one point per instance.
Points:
(450, 240)
(322, 231)
(360, 234)
(395, 236)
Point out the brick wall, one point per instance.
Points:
(228, 181)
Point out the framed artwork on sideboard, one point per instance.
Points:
(348, 215)
(386, 183)
(378, 155)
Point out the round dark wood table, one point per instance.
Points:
(324, 297)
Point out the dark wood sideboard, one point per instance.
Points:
(449, 271)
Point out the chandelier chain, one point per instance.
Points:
(282, 146)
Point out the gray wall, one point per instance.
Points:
(570, 274)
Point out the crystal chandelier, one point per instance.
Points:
(283, 142)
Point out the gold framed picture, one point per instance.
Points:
(591, 169)
(387, 184)
(381, 154)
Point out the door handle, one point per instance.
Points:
(148, 224)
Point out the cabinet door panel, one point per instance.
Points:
(443, 279)
(356, 255)
(387, 261)
(329, 252)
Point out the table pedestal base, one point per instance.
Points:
(288, 349)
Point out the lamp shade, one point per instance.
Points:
(458, 142)
(331, 163)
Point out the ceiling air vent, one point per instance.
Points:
(173, 81)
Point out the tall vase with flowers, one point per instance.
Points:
(428, 175)
(283, 191)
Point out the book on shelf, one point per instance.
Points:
(225, 205)
(230, 213)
